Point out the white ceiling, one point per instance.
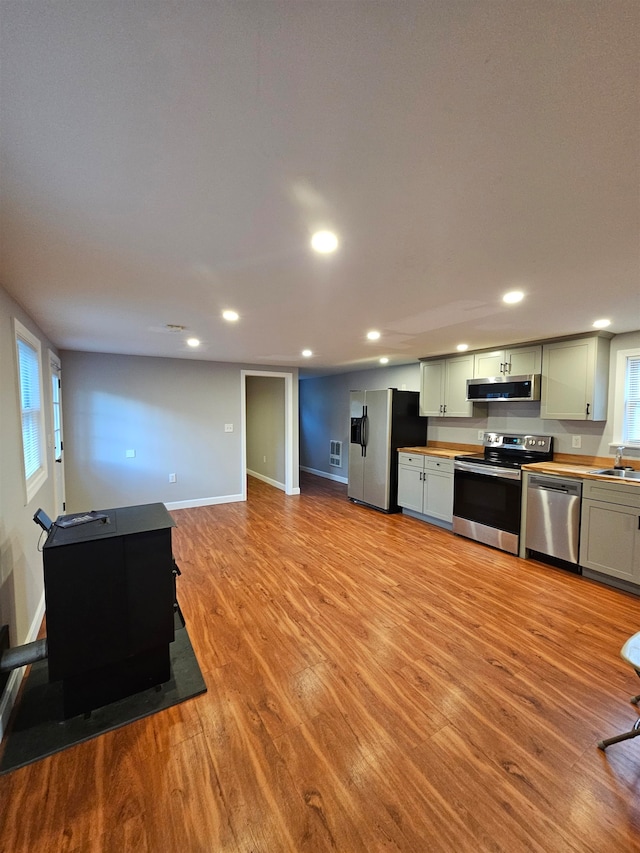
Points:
(162, 161)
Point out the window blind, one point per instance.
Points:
(631, 426)
(31, 406)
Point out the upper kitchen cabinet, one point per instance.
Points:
(575, 379)
(518, 361)
(443, 387)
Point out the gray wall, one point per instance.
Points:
(324, 415)
(21, 576)
(266, 428)
(171, 412)
(324, 411)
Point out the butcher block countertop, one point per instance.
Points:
(563, 465)
(581, 472)
(442, 452)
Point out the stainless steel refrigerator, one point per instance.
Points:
(381, 422)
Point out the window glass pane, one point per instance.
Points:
(30, 399)
(631, 422)
(31, 405)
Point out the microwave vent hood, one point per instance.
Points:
(500, 388)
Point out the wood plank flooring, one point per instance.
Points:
(374, 684)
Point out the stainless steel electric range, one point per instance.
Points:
(487, 488)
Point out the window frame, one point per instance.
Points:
(619, 399)
(34, 482)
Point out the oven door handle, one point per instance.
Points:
(488, 470)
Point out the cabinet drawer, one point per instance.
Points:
(435, 463)
(622, 494)
(414, 460)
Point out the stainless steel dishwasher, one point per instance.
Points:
(553, 517)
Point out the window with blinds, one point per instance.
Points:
(631, 416)
(30, 383)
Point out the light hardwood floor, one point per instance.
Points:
(374, 684)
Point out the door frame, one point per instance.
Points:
(288, 426)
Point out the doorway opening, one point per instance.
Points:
(290, 481)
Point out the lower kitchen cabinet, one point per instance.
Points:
(425, 486)
(610, 531)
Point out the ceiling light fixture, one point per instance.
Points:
(231, 316)
(307, 353)
(601, 324)
(384, 360)
(513, 296)
(462, 347)
(193, 342)
(324, 242)
(373, 335)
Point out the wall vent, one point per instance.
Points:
(335, 454)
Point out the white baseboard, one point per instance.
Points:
(15, 678)
(223, 499)
(268, 480)
(335, 477)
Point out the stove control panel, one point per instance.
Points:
(522, 443)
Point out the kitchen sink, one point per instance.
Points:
(618, 472)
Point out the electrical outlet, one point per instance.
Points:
(481, 434)
(228, 427)
(264, 458)
(172, 478)
(129, 454)
(576, 441)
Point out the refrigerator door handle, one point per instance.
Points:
(365, 431)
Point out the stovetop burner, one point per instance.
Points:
(480, 459)
(512, 450)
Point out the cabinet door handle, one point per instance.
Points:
(502, 366)
(507, 367)
(588, 404)
(444, 408)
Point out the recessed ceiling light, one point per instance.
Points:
(193, 342)
(601, 324)
(307, 353)
(384, 360)
(324, 242)
(513, 296)
(231, 316)
(462, 347)
(373, 335)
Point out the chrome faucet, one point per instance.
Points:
(617, 462)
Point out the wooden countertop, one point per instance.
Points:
(442, 452)
(580, 472)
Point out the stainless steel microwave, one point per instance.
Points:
(500, 388)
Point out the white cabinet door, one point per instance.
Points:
(410, 487)
(438, 501)
(443, 387)
(486, 364)
(523, 361)
(575, 377)
(610, 540)
(516, 361)
(457, 371)
(431, 388)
